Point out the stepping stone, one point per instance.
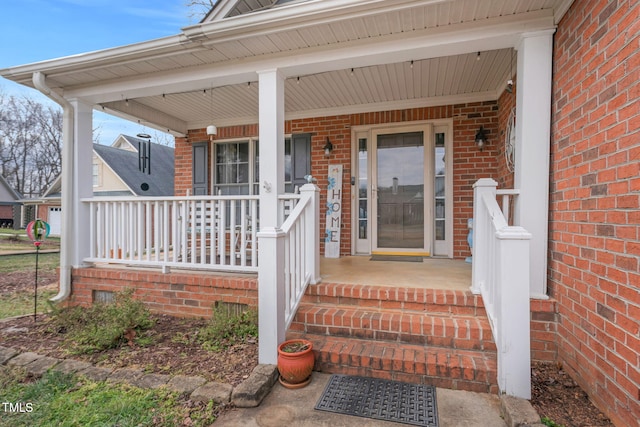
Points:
(42, 365)
(218, 392)
(70, 366)
(24, 359)
(125, 375)
(184, 384)
(96, 374)
(6, 354)
(151, 381)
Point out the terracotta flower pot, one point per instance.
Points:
(295, 362)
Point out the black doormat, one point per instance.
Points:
(386, 400)
(401, 258)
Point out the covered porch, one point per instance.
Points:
(350, 72)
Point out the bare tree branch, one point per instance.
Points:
(198, 9)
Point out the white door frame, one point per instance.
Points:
(429, 128)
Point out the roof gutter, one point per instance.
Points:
(39, 82)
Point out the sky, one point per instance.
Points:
(37, 30)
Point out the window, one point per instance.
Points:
(237, 164)
(232, 168)
(440, 175)
(96, 174)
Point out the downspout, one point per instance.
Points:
(66, 184)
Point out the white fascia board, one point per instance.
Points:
(235, 28)
(296, 15)
(490, 34)
(98, 59)
(53, 185)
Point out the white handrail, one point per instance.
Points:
(301, 263)
(500, 273)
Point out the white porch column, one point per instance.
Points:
(533, 133)
(270, 238)
(75, 225)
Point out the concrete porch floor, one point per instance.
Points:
(431, 273)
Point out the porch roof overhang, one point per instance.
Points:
(338, 56)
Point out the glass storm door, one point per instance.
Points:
(399, 193)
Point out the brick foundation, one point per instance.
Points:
(179, 294)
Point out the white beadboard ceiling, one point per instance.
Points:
(204, 74)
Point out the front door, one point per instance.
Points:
(399, 193)
(403, 190)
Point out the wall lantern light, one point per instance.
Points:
(328, 148)
(481, 138)
(212, 131)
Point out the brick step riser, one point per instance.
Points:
(432, 301)
(460, 333)
(453, 369)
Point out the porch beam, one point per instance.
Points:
(533, 133)
(271, 296)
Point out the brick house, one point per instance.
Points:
(9, 205)
(427, 107)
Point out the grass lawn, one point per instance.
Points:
(17, 240)
(27, 263)
(21, 302)
(65, 400)
(17, 283)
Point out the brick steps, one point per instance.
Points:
(470, 333)
(438, 337)
(441, 367)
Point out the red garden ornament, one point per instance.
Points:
(37, 231)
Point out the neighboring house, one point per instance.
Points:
(9, 205)
(115, 172)
(419, 102)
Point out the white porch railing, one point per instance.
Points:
(301, 251)
(500, 273)
(197, 232)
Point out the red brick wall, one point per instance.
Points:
(179, 294)
(595, 206)
(469, 164)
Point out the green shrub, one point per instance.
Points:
(103, 325)
(550, 423)
(226, 328)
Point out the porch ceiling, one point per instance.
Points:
(402, 53)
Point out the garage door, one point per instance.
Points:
(55, 220)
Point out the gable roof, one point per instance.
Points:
(7, 193)
(124, 164)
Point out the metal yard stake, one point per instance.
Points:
(37, 231)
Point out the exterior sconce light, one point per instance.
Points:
(212, 131)
(328, 148)
(481, 138)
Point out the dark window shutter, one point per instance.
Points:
(300, 158)
(200, 175)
